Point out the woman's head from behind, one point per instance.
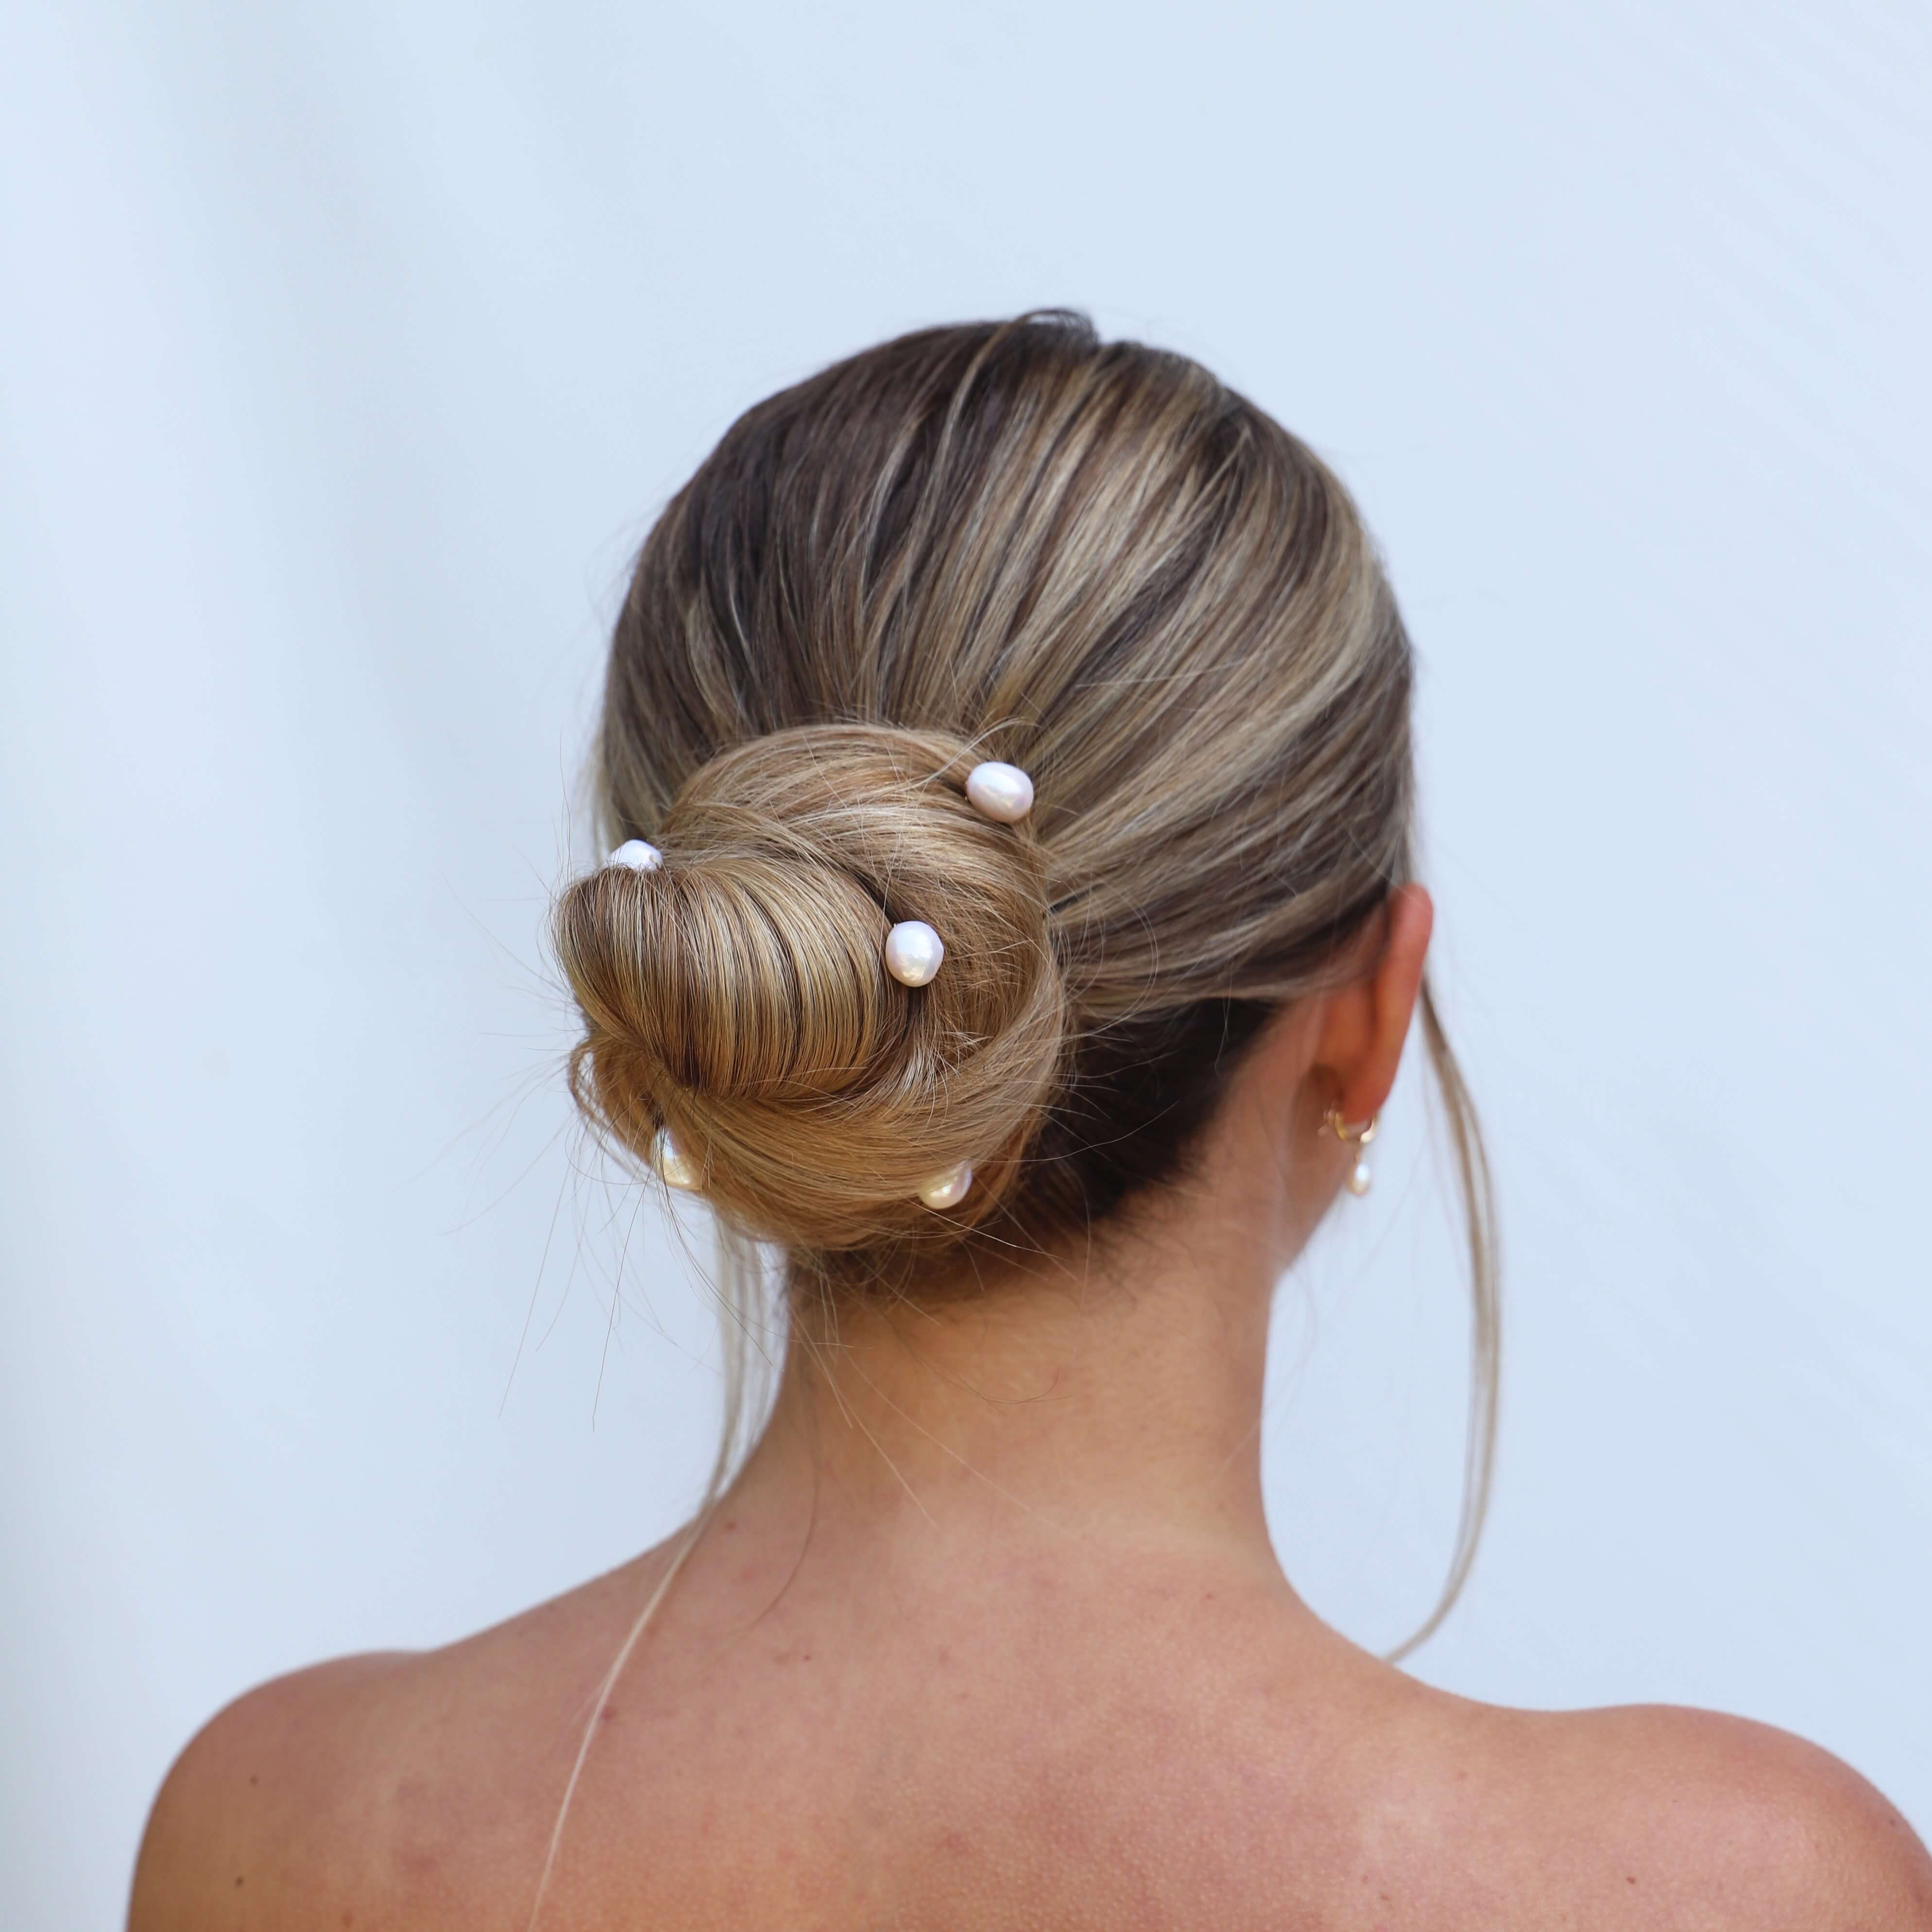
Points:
(1007, 541)
(995, 541)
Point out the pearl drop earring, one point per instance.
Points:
(1360, 1178)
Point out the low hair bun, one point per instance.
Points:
(738, 995)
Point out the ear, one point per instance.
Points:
(1359, 1044)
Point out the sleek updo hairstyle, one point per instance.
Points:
(1001, 541)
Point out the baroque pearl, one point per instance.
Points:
(1001, 792)
(913, 952)
(950, 1189)
(637, 855)
(674, 1167)
(1360, 1179)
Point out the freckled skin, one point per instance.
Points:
(1121, 1754)
(990, 1638)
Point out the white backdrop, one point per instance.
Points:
(344, 352)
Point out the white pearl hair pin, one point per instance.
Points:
(948, 1189)
(914, 952)
(1001, 792)
(672, 1165)
(638, 855)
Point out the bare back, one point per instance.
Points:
(1138, 1741)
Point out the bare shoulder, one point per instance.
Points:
(1700, 1818)
(406, 1787)
(256, 1800)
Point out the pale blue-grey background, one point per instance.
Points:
(345, 351)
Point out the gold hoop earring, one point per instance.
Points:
(1360, 1179)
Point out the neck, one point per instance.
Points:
(1115, 1393)
(1111, 1391)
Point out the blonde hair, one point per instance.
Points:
(1001, 540)
(1011, 541)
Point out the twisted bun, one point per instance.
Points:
(738, 996)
